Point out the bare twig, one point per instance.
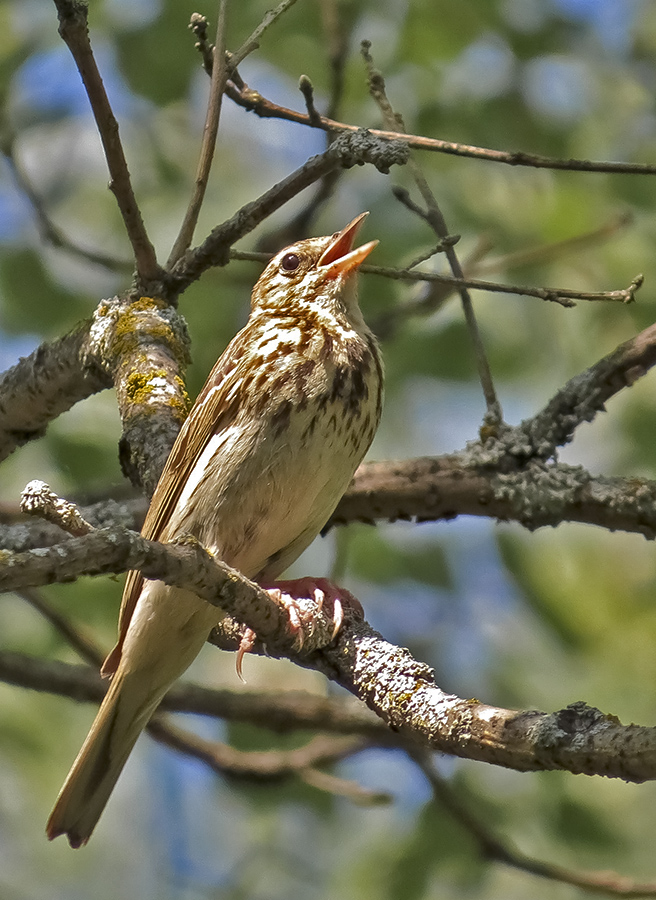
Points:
(51, 233)
(253, 41)
(437, 222)
(74, 31)
(198, 25)
(562, 296)
(494, 848)
(307, 89)
(266, 765)
(210, 131)
(337, 39)
(38, 499)
(253, 101)
(355, 150)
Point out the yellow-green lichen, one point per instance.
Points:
(131, 321)
(140, 386)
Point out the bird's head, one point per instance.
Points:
(314, 274)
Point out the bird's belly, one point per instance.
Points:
(259, 497)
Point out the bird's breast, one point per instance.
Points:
(263, 488)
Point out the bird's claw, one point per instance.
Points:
(306, 598)
(306, 601)
(246, 644)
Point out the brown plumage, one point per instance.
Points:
(283, 421)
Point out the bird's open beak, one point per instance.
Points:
(338, 258)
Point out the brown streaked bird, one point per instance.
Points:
(284, 419)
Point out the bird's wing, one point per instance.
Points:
(216, 408)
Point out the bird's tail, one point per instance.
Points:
(166, 633)
(123, 715)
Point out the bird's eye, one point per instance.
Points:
(290, 262)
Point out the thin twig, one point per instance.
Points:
(253, 101)
(438, 224)
(83, 645)
(306, 88)
(253, 41)
(73, 29)
(49, 232)
(493, 848)
(563, 296)
(344, 152)
(544, 253)
(261, 765)
(300, 223)
(208, 144)
(198, 25)
(337, 39)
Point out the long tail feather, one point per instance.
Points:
(167, 632)
(121, 718)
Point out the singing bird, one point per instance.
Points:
(271, 444)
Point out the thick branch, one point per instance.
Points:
(116, 550)
(436, 488)
(397, 687)
(144, 344)
(45, 384)
(535, 495)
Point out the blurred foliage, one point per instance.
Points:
(510, 617)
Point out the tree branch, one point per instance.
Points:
(41, 386)
(345, 152)
(536, 495)
(394, 685)
(208, 144)
(143, 343)
(74, 31)
(496, 849)
(435, 219)
(253, 101)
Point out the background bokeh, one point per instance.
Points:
(512, 618)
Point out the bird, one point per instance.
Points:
(283, 421)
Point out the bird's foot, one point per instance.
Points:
(307, 602)
(305, 598)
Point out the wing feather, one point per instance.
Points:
(216, 408)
